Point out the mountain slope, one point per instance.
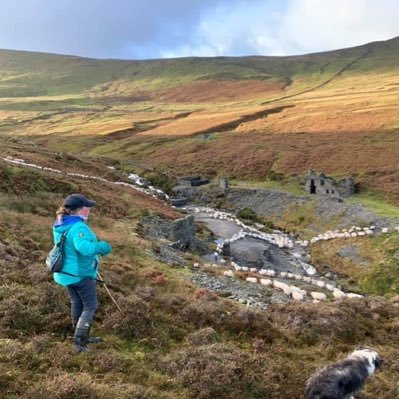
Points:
(34, 74)
(335, 112)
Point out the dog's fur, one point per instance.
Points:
(345, 378)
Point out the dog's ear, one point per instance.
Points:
(378, 361)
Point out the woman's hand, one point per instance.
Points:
(103, 247)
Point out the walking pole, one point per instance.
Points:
(109, 293)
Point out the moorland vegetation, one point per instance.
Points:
(259, 120)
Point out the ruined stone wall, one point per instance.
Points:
(180, 232)
(347, 186)
(183, 230)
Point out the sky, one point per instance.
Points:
(148, 29)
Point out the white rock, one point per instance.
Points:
(338, 294)
(353, 295)
(287, 290)
(266, 281)
(228, 273)
(279, 284)
(319, 296)
(251, 279)
(297, 296)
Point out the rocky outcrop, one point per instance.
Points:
(200, 195)
(180, 232)
(177, 234)
(274, 204)
(264, 202)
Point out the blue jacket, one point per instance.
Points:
(81, 250)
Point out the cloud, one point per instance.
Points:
(315, 25)
(99, 28)
(301, 26)
(134, 29)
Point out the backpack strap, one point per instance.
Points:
(61, 242)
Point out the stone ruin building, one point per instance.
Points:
(193, 181)
(224, 183)
(327, 186)
(184, 183)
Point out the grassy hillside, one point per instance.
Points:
(173, 340)
(260, 120)
(243, 117)
(26, 74)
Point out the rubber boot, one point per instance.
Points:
(81, 335)
(90, 340)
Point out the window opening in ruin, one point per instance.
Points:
(332, 191)
(328, 191)
(322, 182)
(312, 187)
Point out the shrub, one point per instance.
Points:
(205, 336)
(155, 277)
(347, 322)
(136, 321)
(212, 371)
(248, 214)
(381, 279)
(162, 181)
(275, 176)
(69, 386)
(205, 294)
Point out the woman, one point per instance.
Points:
(80, 266)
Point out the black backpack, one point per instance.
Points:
(55, 258)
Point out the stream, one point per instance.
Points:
(251, 248)
(258, 255)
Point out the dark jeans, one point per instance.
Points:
(83, 299)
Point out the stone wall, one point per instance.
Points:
(180, 232)
(183, 231)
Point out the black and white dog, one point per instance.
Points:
(345, 378)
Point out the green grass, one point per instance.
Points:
(47, 105)
(33, 74)
(373, 202)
